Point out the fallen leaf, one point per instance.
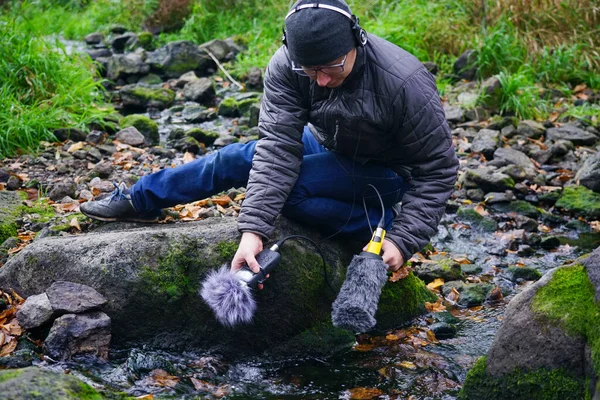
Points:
(435, 307)
(188, 157)
(13, 328)
(580, 88)
(495, 294)
(364, 393)
(22, 177)
(2, 185)
(481, 211)
(408, 365)
(462, 260)
(392, 337)
(364, 347)
(145, 397)
(162, 378)
(222, 201)
(8, 348)
(75, 224)
(75, 147)
(453, 295)
(400, 274)
(436, 283)
(240, 197)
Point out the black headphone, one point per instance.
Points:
(359, 33)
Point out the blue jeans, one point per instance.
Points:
(327, 195)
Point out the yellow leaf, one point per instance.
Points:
(436, 283)
(408, 365)
(480, 210)
(392, 337)
(364, 347)
(75, 224)
(76, 146)
(8, 348)
(188, 157)
(364, 393)
(435, 307)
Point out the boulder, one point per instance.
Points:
(79, 334)
(37, 383)
(573, 134)
(139, 96)
(177, 58)
(589, 173)
(151, 276)
(35, 312)
(130, 136)
(486, 142)
(548, 345)
(121, 66)
(146, 126)
(504, 156)
(200, 90)
(69, 297)
(580, 200)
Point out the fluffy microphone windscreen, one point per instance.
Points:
(231, 300)
(355, 306)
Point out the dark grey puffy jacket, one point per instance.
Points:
(387, 110)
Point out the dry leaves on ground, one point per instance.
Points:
(400, 274)
(10, 330)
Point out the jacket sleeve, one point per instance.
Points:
(425, 144)
(278, 153)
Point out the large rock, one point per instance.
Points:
(507, 156)
(151, 275)
(589, 174)
(70, 297)
(35, 312)
(201, 90)
(580, 201)
(36, 383)
(140, 96)
(486, 142)
(573, 134)
(121, 66)
(177, 58)
(80, 334)
(548, 345)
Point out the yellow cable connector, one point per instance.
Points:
(376, 242)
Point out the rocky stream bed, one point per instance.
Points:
(527, 201)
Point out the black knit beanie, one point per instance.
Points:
(317, 36)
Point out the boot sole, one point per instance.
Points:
(115, 219)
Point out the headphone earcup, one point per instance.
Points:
(361, 37)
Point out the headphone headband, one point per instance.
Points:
(319, 5)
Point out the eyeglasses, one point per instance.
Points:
(331, 69)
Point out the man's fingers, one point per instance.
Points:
(253, 264)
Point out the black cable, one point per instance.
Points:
(382, 220)
(282, 241)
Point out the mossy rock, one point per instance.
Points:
(520, 207)
(36, 383)
(525, 273)
(580, 200)
(145, 125)
(477, 220)
(143, 96)
(202, 136)
(471, 294)
(10, 205)
(444, 267)
(146, 40)
(245, 105)
(151, 79)
(229, 107)
(540, 384)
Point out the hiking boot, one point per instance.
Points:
(116, 207)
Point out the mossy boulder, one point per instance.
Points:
(10, 203)
(518, 206)
(548, 346)
(581, 201)
(146, 40)
(151, 276)
(202, 136)
(145, 125)
(229, 107)
(468, 214)
(140, 96)
(36, 383)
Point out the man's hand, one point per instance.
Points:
(250, 245)
(391, 255)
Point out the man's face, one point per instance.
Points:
(333, 79)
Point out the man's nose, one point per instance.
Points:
(323, 79)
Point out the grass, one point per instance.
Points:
(43, 89)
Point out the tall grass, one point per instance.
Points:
(42, 89)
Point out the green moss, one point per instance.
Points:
(202, 136)
(229, 107)
(528, 274)
(162, 95)
(7, 230)
(469, 214)
(146, 40)
(61, 228)
(521, 385)
(145, 125)
(85, 392)
(401, 301)
(244, 105)
(176, 275)
(45, 211)
(580, 200)
(226, 250)
(568, 300)
(9, 374)
(323, 339)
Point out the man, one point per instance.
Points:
(340, 111)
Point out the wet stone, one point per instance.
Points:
(550, 243)
(103, 169)
(443, 330)
(95, 137)
(73, 297)
(471, 294)
(79, 334)
(35, 312)
(13, 183)
(62, 189)
(4, 175)
(130, 136)
(524, 273)
(500, 197)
